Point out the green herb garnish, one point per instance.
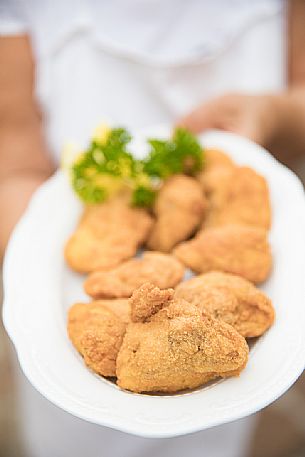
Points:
(181, 154)
(143, 196)
(104, 168)
(107, 167)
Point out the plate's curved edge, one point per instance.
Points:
(8, 255)
(146, 428)
(133, 429)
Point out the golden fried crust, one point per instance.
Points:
(232, 299)
(216, 164)
(120, 307)
(106, 235)
(178, 348)
(215, 158)
(179, 209)
(96, 330)
(147, 300)
(161, 269)
(237, 195)
(237, 249)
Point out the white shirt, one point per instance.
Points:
(138, 62)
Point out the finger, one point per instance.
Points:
(250, 131)
(200, 119)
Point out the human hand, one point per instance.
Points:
(252, 116)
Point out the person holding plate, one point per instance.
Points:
(66, 65)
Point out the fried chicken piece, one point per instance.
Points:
(177, 348)
(163, 270)
(237, 249)
(96, 330)
(147, 300)
(216, 164)
(213, 159)
(232, 299)
(106, 235)
(179, 210)
(237, 195)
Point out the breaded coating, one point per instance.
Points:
(179, 209)
(232, 299)
(178, 348)
(96, 330)
(215, 158)
(163, 270)
(120, 307)
(106, 235)
(237, 249)
(238, 195)
(147, 300)
(216, 164)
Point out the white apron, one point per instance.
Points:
(137, 63)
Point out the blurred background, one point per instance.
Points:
(280, 430)
(252, 63)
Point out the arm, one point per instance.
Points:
(24, 162)
(277, 121)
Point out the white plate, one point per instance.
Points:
(39, 289)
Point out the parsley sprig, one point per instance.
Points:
(180, 154)
(107, 166)
(103, 167)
